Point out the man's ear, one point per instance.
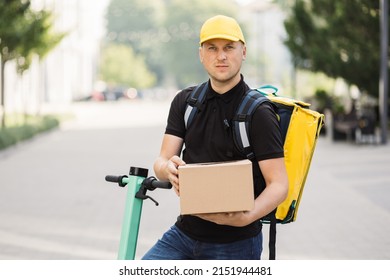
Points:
(200, 54)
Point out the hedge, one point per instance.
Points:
(16, 133)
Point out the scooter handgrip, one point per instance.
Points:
(161, 184)
(113, 178)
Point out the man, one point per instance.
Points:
(209, 139)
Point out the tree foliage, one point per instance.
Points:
(338, 38)
(120, 66)
(165, 33)
(39, 39)
(134, 23)
(12, 27)
(23, 33)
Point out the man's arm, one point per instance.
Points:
(165, 166)
(276, 190)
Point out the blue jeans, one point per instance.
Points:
(175, 245)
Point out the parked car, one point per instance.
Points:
(114, 93)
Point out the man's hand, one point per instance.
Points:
(173, 173)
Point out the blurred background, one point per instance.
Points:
(54, 53)
(99, 76)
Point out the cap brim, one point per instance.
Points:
(220, 36)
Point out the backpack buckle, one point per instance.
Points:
(250, 156)
(192, 101)
(242, 117)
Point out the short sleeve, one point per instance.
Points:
(175, 122)
(266, 139)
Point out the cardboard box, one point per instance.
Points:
(216, 187)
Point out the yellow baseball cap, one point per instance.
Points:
(221, 27)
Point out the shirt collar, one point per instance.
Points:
(229, 95)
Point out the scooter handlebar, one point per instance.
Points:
(113, 178)
(121, 180)
(152, 183)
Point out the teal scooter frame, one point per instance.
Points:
(137, 186)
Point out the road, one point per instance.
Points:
(55, 204)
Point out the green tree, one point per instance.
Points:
(23, 33)
(11, 29)
(41, 38)
(136, 24)
(338, 38)
(166, 33)
(121, 66)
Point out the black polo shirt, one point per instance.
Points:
(210, 139)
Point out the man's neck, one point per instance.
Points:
(222, 87)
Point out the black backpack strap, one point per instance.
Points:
(272, 235)
(194, 102)
(241, 122)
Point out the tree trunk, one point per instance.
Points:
(2, 94)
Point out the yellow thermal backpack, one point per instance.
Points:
(300, 128)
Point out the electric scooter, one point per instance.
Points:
(137, 184)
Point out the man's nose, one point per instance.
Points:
(221, 55)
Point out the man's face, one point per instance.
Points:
(222, 59)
